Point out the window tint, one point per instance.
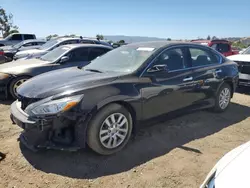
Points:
(28, 37)
(87, 42)
(80, 54)
(95, 52)
(201, 57)
(223, 48)
(16, 37)
(40, 43)
(173, 58)
(69, 42)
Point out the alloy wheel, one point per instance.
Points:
(114, 130)
(224, 98)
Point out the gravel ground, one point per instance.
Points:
(175, 153)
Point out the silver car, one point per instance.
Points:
(52, 44)
(14, 73)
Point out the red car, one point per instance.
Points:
(222, 46)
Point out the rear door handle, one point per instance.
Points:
(218, 71)
(188, 79)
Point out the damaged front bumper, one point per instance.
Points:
(48, 133)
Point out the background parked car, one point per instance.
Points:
(231, 170)
(243, 60)
(100, 104)
(52, 44)
(10, 51)
(222, 46)
(13, 74)
(16, 38)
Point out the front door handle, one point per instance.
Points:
(188, 79)
(218, 71)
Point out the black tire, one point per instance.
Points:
(95, 125)
(217, 107)
(13, 83)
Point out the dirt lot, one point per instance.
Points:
(175, 153)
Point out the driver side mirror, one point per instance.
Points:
(64, 59)
(158, 68)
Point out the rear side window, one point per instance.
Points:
(95, 52)
(202, 57)
(16, 37)
(69, 42)
(223, 48)
(87, 42)
(26, 37)
(79, 54)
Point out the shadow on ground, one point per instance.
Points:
(150, 142)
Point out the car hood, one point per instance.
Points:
(240, 57)
(234, 168)
(8, 48)
(30, 51)
(19, 66)
(62, 81)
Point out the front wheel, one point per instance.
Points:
(15, 84)
(223, 98)
(109, 131)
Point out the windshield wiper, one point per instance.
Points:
(93, 70)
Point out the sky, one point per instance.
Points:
(176, 19)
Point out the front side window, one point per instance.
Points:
(55, 54)
(16, 37)
(173, 58)
(125, 59)
(95, 52)
(26, 37)
(247, 51)
(48, 45)
(201, 57)
(79, 54)
(30, 44)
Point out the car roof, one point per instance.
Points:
(161, 44)
(86, 45)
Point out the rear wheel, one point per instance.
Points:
(15, 84)
(223, 98)
(109, 131)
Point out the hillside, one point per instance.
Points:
(130, 39)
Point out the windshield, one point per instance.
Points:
(122, 59)
(48, 44)
(53, 55)
(246, 51)
(18, 45)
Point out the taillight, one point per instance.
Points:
(1, 52)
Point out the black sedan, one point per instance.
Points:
(101, 104)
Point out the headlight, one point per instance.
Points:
(56, 106)
(3, 76)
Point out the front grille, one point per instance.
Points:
(244, 67)
(25, 101)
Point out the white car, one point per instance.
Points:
(231, 171)
(45, 48)
(243, 61)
